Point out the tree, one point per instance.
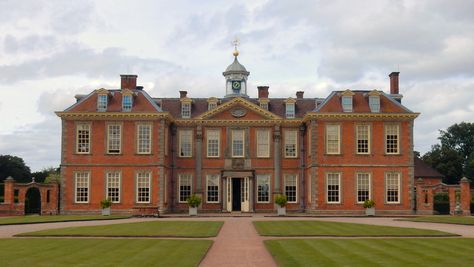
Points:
(15, 167)
(40, 177)
(459, 137)
(447, 161)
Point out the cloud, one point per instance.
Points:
(28, 44)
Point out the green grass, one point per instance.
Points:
(320, 228)
(373, 252)
(55, 218)
(467, 220)
(101, 252)
(140, 229)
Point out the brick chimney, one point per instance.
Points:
(128, 81)
(394, 83)
(183, 94)
(299, 94)
(262, 91)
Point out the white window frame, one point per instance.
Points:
(328, 140)
(82, 180)
(346, 103)
(143, 180)
(264, 105)
(213, 141)
(236, 133)
(360, 135)
(290, 110)
(188, 178)
(185, 146)
(263, 143)
(83, 138)
(387, 132)
(127, 106)
(113, 181)
(211, 105)
(359, 177)
(111, 139)
(267, 179)
(389, 183)
(210, 177)
(144, 138)
(291, 140)
(185, 110)
(101, 104)
(286, 183)
(329, 176)
(374, 103)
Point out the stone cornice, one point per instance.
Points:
(293, 122)
(365, 116)
(115, 115)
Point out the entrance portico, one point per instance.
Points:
(238, 191)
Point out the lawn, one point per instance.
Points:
(54, 218)
(139, 229)
(373, 252)
(467, 220)
(101, 252)
(320, 228)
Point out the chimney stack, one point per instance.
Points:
(183, 94)
(299, 94)
(262, 91)
(128, 81)
(394, 83)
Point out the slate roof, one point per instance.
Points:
(423, 170)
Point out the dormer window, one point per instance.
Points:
(374, 101)
(346, 100)
(212, 103)
(263, 102)
(102, 102)
(185, 109)
(290, 108)
(127, 102)
(264, 106)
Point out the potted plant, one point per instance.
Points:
(105, 205)
(193, 201)
(281, 201)
(369, 206)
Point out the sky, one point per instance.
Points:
(52, 50)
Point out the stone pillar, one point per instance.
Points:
(199, 160)
(9, 197)
(465, 197)
(302, 155)
(277, 158)
(161, 161)
(452, 200)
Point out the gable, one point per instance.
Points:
(238, 108)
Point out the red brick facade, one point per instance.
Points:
(327, 155)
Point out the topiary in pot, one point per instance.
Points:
(281, 201)
(193, 201)
(105, 205)
(369, 205)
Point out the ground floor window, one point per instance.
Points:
(291, 187)
(392, 187)
(113, 186)
(213, 188)
(333, 181)
(363, 187)
(184, 190)
(263, 188)
(82, 187)
(143, 187)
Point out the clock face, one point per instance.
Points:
(236, 85)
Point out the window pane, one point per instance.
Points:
(127, 103)
(290, 143)
(143, 187)
(83, 138)
(263, 188)
(102, 102)
(82, 187)
(113, 186)
(374, 103)
(392, 184)
(347, 103)
(186, 110)
(213, 143)
(290, 187)
(332, 139)
(185, 143)
(213, 188)
(237, 143)
(184, 187)
(333, 193)
(114, 138)
(391, 138)
(290, 110)
(263, 143)
(363, 139)
(363, 187)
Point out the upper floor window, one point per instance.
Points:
(374, 103)
(127, 103)
(144, 138)
(114, 138)
(392, 138)
(213, 140)
(211, 105)
(347, 103)
(185, 143)
(83, 138)
(264, 105)
(263, 143)
(363, 139)
(332, 139)
(102, 102)
(185, 110)
(290, 110)
(238, 143)
(291, 143)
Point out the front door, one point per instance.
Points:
(236, 194)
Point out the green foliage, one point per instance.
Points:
(15, 167)
(42, 176)
(369, 203)
(194, 201)
(464, 220)
(459, 137)
(106, 203)
(447, 161)
(281, 200)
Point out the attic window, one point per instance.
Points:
(102, 102)
(347, 103)
(127, 103)
(264, 105)
(290, 110)
(374, 103)
(211, 105)
(185, 110)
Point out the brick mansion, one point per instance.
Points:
(327, 155)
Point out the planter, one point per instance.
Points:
(106, 211)
(370, 211)
(281, 210)
(193, 211)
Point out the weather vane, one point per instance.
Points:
(236, 43)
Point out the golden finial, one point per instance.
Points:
(236, 43)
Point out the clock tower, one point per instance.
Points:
(236, 78)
